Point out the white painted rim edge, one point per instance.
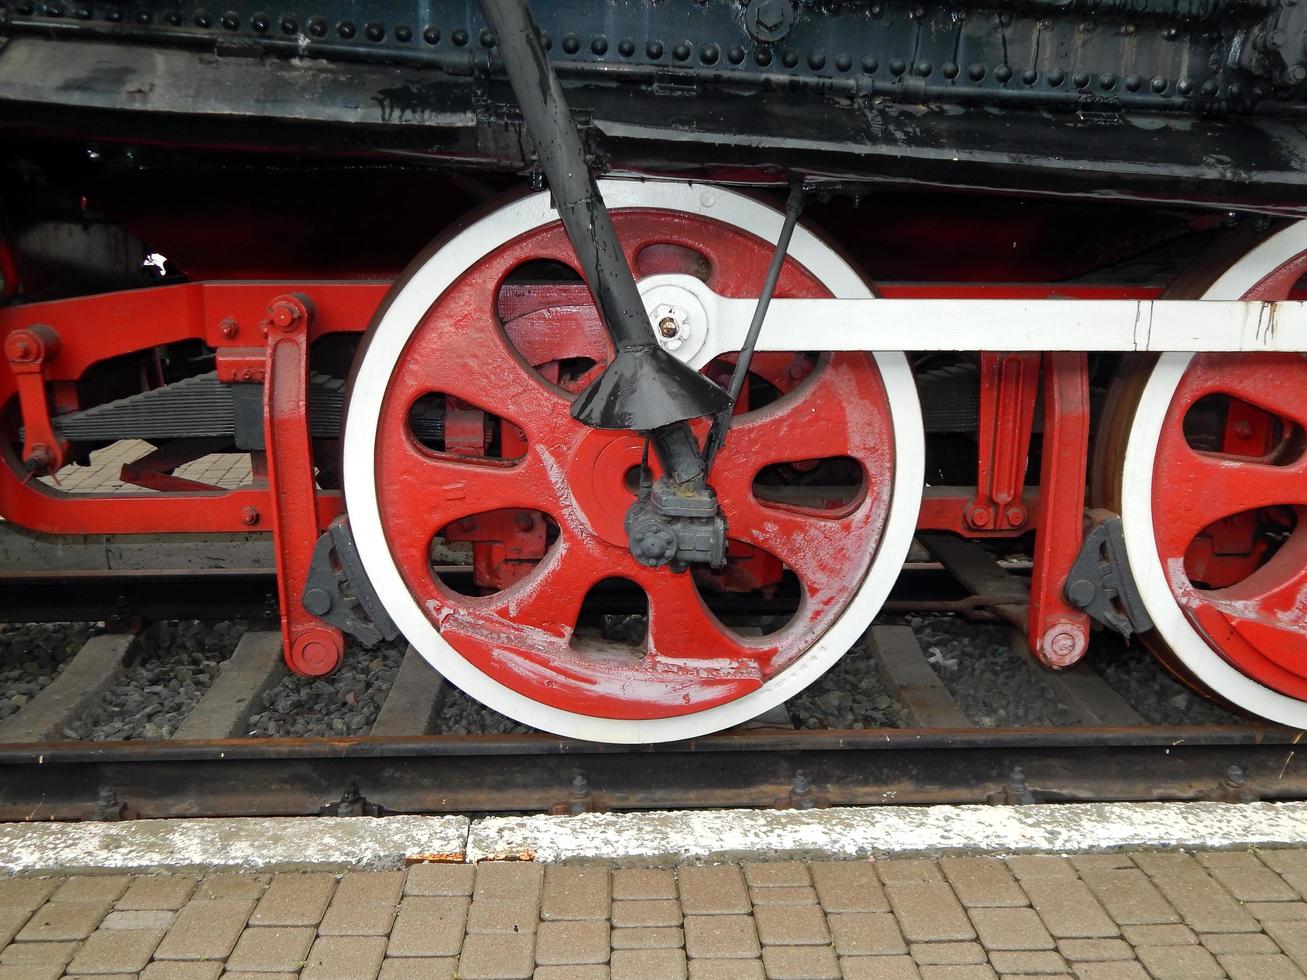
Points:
(1168, 618)
(386, 344)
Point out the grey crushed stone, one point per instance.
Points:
(992, 686)
(461, 715)
(175, 664)
(32, 655)
(849, 695)
(344, 704)
(1136, 675)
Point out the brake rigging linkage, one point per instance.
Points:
(675, 520)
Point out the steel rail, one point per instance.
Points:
(760, 768)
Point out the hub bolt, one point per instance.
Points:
(667, 327)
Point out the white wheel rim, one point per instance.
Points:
(1150, 577)
(401, 316)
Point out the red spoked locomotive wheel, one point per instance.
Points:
(1213, 493)
(819, 479)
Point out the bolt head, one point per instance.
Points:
(770, 15)
(1016, 516)
(979, 517)
(250, 516)
(668, 327)
(227, 328)
(284, 314)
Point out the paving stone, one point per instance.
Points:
(721, 937)
(116, 951)
(60, 920)
(636, 883)
(977, 972)
(804, 895)
(11, 920)
(34, 971)
(575, 892)
(1277, 911)
(91, 888)
(712, 890)
(428, 925)
(596, 971)
(928, 911)
(143, 919)
(369, 888)
(572, 942)
(168, 892)
(1166, 862)
(1239, 942)
(982, 882)
(727, 970)
(947, 954)
(785, 926)
(27, 893)
(423, 968)
(350, 914)
(232, 886)
(431, 878)
(344, 958)
(654, 912)
(1079, 950)
(1291, 938)
(102, 976)
(879, 968)
(273, 949)
(189, 971)
(1259, 966)
(205, 930)
(800, 963)
(490, 916)
(866, 933)
(295, 900)
(648, 964)
(1179, 962)
(1101, 862)
(1284, 860)
(1110, 971)
(776, 874)
(27, 954)
(848, 886)
(1027, 963)
(1068, 908)
(648, 937)
(1172, 935)
(1010, 929)
(509, 879)
(1204, 904)
(898, 870)
(1131, 899)
(1030, 866)
(1246, 878)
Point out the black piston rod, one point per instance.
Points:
(645, 388)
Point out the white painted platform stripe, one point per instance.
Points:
(646, 838)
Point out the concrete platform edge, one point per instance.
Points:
(645, 838)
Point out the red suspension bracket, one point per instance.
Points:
(311, 647)
(1058, 632)
(28, 351)
(1009, 384)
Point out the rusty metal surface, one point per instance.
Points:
(514, 773)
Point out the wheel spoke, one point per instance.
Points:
(1205, 487)
(683, 629)
(1271, 382)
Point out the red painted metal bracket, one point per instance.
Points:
(1059, 632)
(311, 647)
(28, 352)
(1009, 385)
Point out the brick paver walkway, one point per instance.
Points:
(1099, 917)
(225, 470)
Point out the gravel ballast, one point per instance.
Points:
(849, 695)
(175, 664)
(994, 687)
(346, 703)
(32, 655)
(1135, 674)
